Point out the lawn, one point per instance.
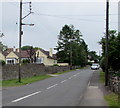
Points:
(24, 81)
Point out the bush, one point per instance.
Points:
(3, 62)
(89, 63)
(102, 64)
(55, 65)
(25, 61)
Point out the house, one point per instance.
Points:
(2, 57)
(45, 57)
(11, 56)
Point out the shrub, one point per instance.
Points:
(102, 64)
(25, 61)
(2, 62)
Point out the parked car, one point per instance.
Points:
(95, 66)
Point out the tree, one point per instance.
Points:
(71, 47)
(31, 52)
(93, 56)
(3, 47)
(114, 49)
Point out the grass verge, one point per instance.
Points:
(102, 77)
(112, 100)
(24, 81)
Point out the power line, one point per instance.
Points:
(63, 17)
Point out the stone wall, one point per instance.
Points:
(29, 70)
(114, 81)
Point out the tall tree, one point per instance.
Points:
(70, 46)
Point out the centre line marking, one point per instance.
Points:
(26, 96)
(75, 75)
(52, 86)
(70, 77)
(63, 81)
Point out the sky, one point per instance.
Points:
(49, 17)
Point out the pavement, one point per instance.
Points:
(94, 95)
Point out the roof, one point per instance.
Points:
(24, 54)
(47, 54)
(5, 53)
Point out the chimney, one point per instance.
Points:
(17, 49)
(14, 49)
(50, 52)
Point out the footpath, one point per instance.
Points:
(94, 95)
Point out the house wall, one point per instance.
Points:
(2, 57)
(12, 55)
(49, 62)
(46, 61)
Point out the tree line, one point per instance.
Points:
(113, 51)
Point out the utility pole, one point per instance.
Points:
(20, 36)
(21, 33)
(106, 45)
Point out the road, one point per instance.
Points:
(63, 90)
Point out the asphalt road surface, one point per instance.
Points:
(62, 90)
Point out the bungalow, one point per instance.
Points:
(13, 57)
(45, 57)
(41, 56)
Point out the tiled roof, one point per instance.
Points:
(47, 53)
(24, 54)
(5, 53)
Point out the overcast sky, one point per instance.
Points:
(50, 17)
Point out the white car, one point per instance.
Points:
(95, 66)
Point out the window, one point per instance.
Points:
(40, 60)
(10, 61)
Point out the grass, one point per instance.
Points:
(112, 100)
(24, 81)
(102, 77)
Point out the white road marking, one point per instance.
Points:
(52, 86)
(70, 77)
(26, 96)
(75, 75)
(63, 81)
